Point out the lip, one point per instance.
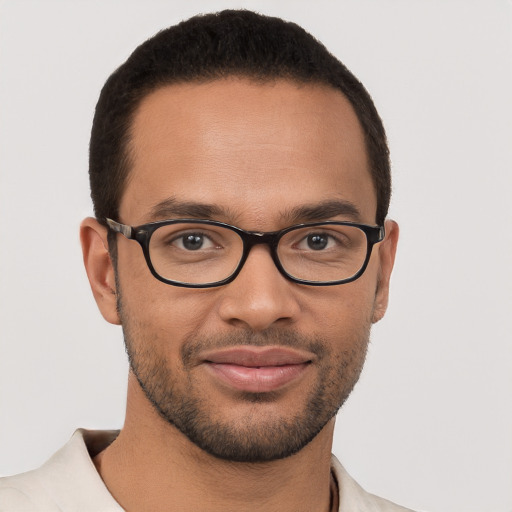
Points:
(257, 369)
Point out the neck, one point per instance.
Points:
(153, 467)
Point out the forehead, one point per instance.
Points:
(254, 149)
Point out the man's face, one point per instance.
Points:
(252, 370)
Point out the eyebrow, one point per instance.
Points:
(172, 208)
(322, 211)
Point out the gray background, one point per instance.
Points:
(430, 423)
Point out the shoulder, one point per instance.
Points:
(354, 498)
(24, 493)
(67, 481)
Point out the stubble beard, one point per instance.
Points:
(253, 439)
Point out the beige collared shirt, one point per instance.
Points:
(69, 482)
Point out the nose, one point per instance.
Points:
(260, 296)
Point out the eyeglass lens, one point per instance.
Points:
(203, 253)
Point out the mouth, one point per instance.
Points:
(257, 369)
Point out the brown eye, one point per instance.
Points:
(192, 241)
(317, 242)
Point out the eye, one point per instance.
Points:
(316, 242)
(193, 242)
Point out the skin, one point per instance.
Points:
(257, 151)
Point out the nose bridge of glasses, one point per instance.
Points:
(252, 238)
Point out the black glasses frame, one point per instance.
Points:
(142, 234)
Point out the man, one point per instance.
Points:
(240, 180)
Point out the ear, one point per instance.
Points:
(387, 251)
(100, 270)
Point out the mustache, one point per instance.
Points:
(193, 346)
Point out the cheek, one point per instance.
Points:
(154, 309)
(342, 313)
(139, 286)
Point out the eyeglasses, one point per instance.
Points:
(205, 253)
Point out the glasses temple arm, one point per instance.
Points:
(117, 227)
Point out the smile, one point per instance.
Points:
(258, 369)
